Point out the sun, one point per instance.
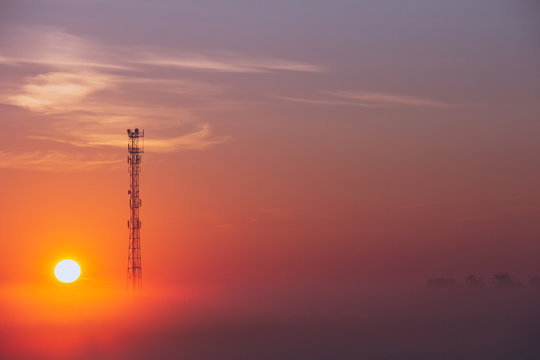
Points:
(67, 271)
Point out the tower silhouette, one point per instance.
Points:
(135, 149)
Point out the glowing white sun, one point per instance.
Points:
(67, 271)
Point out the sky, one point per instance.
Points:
(300, 157)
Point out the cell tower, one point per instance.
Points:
(135, 149)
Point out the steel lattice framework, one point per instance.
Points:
(135, 149)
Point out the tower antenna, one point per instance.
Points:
(135, 149)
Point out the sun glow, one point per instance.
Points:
(67, 271)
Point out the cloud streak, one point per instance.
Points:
(58, 91)
(197, 140)
(228, 63)
(53, 47)
(200, 139)
(320, 101)
(384, 99)
(52, 161)
(366, 99)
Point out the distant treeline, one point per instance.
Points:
(497, 281)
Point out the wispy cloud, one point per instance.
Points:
(227, 63)
(318, 101)
(365, 99)
(52, 161)
(70, 92)
(384, 99)
(51, 46)
(58, 91)
(200, 139)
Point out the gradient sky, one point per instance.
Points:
(293, 148)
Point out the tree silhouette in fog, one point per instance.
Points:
(474, 282)
(504, 280)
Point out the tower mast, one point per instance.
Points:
(135, 149)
